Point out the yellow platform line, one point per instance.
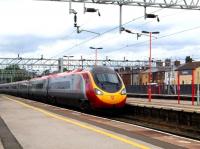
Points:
(81, 125)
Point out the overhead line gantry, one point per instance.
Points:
(174, 4)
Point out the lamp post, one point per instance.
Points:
(150, 44)
(68, 56)
(96, 53)
(198, 88)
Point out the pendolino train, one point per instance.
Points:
(98, 87)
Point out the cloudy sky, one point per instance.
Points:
(35, 28)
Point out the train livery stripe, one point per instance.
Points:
(113, 136)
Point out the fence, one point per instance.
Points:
(185, 89)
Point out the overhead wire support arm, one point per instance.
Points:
(130, 32)
(79, 31)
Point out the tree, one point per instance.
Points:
(188, 59)
(12, 67)
(14, 73)
(65, 69)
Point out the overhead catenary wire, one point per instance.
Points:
(137, 27)
(101, 34)
(164, 36)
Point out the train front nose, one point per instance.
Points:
(110, 100)
(108, 87)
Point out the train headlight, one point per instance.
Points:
(123, 92)
(98, 92)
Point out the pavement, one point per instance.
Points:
(36, 128)
(165, 104)
(29, 124)
(1, 146)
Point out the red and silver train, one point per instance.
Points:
(98, 87)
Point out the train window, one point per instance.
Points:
(109, 82)
(60, 85)
(23, 86)
(13, 87)
(109, 78)
(39, 86)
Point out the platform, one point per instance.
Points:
(38, 125)
(167, 104)
(1, 146)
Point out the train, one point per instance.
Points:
(99, 87)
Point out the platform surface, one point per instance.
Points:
(38, 125)
(1, 146)
(38, 129)
(165, 104)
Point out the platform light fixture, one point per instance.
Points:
(90, 9)
(150, 60)
(150, 15)
(96, 53)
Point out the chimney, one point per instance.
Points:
(177, 63)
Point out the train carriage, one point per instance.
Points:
(98, 87)
(23, 88)
(37, 88)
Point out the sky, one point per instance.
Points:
(34, 28)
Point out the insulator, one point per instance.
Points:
(158, 19)
(128, 31)
(75, 18)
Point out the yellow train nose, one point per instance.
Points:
(112, 98)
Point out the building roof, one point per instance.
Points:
(134, 71)
(159, 69)
(189, 66)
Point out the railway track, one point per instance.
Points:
(129, 115)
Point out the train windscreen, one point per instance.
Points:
(107, 80)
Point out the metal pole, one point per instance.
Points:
(197, 88)
(178, 87)
(70, 7)
(81, 62)
(1, 75)
(168, 83)
(193, 87)
(149, 89)
(95, 56)
(68, 63)
(120, 18)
